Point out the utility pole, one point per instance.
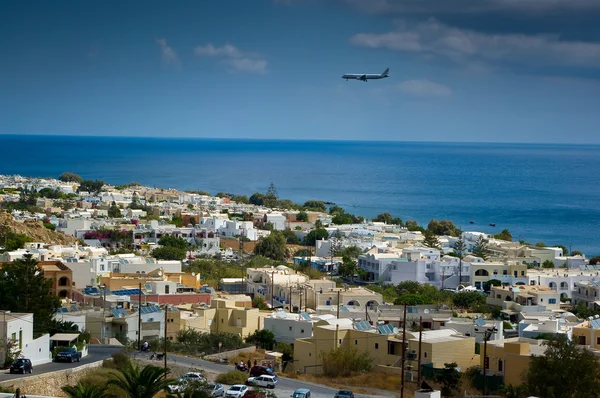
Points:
(487, 333)
(165, 340)
(140, 318)
(291, 309)
(338, 304)
(403, 351)
(420, 340)
(242, 266)
(272, 289)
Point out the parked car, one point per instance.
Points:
(216, 390)
(21, 365)
(68, 355)
(237, 391)
(184, 381)
(263, 381)
(259, 370)
(301, 393)
(344, 394)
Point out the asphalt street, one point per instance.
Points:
(96, 353)
(284, 389)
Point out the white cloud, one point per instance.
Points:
(470, 6)
(424, 88)
(435, 38)
(168, 55)
(236, 59)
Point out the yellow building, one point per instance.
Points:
(510, 358)
(438, 346)
(587, 333)
(227, 313)
(506, 273)
(117, 281)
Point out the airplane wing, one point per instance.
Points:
(363, 77)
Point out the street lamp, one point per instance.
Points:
(487, 333)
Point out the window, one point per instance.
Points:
(552, 301)
(355, 342)
(500, 365)
(302, 331)
(166, 289)
(377, 344)
(290, 328)
(424, 355)
(522, 273)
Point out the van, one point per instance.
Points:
(301, 393)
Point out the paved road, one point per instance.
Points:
(284, 389)
(96, 353)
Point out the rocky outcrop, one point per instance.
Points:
(34, 229)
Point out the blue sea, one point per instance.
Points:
(540, 192)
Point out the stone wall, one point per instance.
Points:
(230, 354)
(49, 384)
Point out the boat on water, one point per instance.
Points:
(492, 224)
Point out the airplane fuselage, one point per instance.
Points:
(364, 76)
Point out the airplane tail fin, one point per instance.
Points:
(387, 72)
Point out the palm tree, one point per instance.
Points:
(85, 391)
(138, 382)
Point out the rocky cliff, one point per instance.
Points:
(34, 229)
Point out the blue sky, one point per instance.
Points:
(478, 70)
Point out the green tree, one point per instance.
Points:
(504, 235)
(272, 246)
(540, 244)
(173, 241)
(136, 382)
(481, 248)
(349, 266)
(413, 299)
(93, 187)
(412, 225)
(290, 237)
(114, 211)
(263, 338)
(351, 251)
(70, 177)
(85, 391)
(431, 240)
(257, 199)
(169, 253)
(468, 299)
(460, 248)
(23, 288)
(511, 391)
(11, 240)
(564, 371)
(302, 216)
(548, 264)
(487, 286)
(388, 219)
(315, 235)
(270, 199)
(315, 205)
(449, 378)
(444, 227)
(242, 199)
(343, 361)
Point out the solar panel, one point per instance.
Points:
(305, 316)
(385, 329)
(595, 323)
(74, 308)
(362, 325)
(480, 322)
(344, 308)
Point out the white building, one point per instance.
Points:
(18, 328)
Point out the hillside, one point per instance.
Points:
(35, 230)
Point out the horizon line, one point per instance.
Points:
(298, 139)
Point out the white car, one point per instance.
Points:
(187, 379)
(263, 381)
(237, 391)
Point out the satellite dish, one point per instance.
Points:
(193, 274)
(159, 273)
(426, 311)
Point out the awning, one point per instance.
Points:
(64, 337)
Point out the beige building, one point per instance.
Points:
(524, 296)
(511, 273)
(226, 313)
(588, 334)
(383, 346)
(510, 358)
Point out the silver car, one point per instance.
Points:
(216, 390)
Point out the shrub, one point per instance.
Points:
(232, 377)
(342, 362)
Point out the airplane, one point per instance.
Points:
(366, 76)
